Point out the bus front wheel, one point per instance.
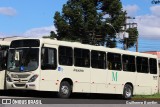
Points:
(127, 92)
(65, 90)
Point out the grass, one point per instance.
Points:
(154, 96)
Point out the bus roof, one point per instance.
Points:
(100, 48)
(7, 43)
(11, 38)
(7, 40)
(87, 46)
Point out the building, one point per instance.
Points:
(155, 53)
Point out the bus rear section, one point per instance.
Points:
(4, 46)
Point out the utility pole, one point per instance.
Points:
(137, 45)
(131, 25)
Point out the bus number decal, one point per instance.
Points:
(154, 77)
(114, 76)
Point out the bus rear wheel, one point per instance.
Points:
(127, 92)
(65, 90)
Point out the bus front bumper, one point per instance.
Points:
(21, 86)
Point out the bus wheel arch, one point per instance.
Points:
(128, 91)
(65, 88)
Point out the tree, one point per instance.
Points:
(52, 35)
(86, 20)
(133, 35)
(77, 21)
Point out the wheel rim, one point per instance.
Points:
(128, 92)
(64, 90)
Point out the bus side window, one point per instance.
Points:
(114, 61)
(48, 58)
(128, 63)
(142, 64)
(65, 55)
(98, 59)
(153, 65)
(81, 57)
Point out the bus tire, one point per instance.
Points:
(64, 90)
(127, 92)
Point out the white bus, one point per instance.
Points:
(4, 46)
(70, 67)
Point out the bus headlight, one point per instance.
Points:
(33, 78)
(8, 78)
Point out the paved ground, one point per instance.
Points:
(76, 99)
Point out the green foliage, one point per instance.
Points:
(133, 35)
(53, 35)
(86, 19)
(46, 37)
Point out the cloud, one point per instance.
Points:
(155, 10)
(32, 33)
(8, 11)
(131, 9)
(149, 24)
(2, 35)
(39, 32)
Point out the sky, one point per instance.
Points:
(34, 18)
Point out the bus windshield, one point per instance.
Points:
(23, 59)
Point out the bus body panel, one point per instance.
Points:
(2, 79)
(117, 79)
(150, 85)
(79, 76)
(98, 80)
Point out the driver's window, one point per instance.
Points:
(3, 60)
(48, 58)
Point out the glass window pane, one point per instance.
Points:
(128, 63)
(153, 66)
(81, 57)
(48, 58)
(65, 56)
(98, 59)
(114, 61)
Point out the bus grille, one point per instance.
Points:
(19, 85)
(20, 75)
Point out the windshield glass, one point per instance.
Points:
(24, 59)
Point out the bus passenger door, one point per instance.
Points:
(48, 68)
(98, 72)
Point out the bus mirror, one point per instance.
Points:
(43, 50)
(42, 45)
(16, 56)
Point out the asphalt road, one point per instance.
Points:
(51, 98)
